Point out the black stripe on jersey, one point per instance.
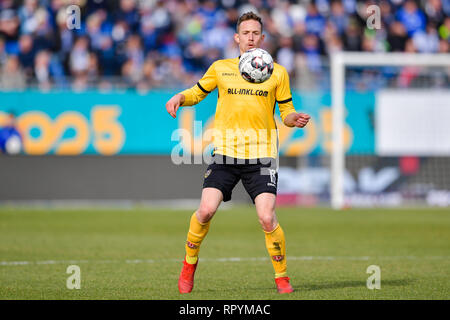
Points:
(285, 101)
(203, 89)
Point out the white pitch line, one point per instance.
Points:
(230, 259)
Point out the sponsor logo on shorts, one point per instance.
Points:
(273, 178)
(277, 258)
(191, 245)
(207, 173)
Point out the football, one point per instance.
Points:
(13, 145)
(256, 65)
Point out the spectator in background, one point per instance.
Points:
(193, 57)
(79, 63)
(42, 70)
(218, 36)
(44, 34)
(132, 70)
(10, 138)
(53, 9)
(315, 23)
(107, 55)
(338, 17)
(444, 29)
(188, 33)
(129, 14)
(331, 39)
(427, 41)
(9, 29)
(434, 11)
(48, 70)
(408, 73)
(297, 37)
(311, 48)
(397, 37)
(412, 17)
(26, 54)
(387, 16)
(6, 4)
(93, 69)
(12, 77)
(79, 57)
(93, 30)
(120, 33)
(352, 37)
(444, 46)
(64, 38)
(27, 16)
(210, 13)
(283, 20)
(446, 7)
(3, 54)
(147, 28)
(368, 43)
(286, 55)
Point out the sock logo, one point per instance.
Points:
(276, 246)
(191, 245)
(277, 258)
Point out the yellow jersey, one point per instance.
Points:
(244, 124)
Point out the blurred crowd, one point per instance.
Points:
(148, 44)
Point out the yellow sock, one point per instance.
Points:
(275, 244)
(197, 232)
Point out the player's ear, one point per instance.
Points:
(236, 38)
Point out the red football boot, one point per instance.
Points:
(283, 285)
(186, 280)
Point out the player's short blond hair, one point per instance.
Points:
(249, 16)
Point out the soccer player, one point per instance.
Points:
(243, 107)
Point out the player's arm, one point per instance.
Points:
(295, 119)
(194, 95)
(290, 117)
(174, 103)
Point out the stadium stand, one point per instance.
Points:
(148, 44)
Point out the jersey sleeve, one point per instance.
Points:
(283, 95)
(203, 87)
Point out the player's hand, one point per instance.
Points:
(298, 120)
(301, 120)
(173, 104)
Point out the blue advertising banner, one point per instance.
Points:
(69, 123)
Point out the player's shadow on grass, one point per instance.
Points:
(299, 287)
(348, 284)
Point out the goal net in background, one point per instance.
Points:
(398, 108)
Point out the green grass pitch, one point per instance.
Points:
(137, 254)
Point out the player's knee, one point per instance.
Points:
(205, 212)
(268, 222)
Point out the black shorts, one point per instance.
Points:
(258, 175)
